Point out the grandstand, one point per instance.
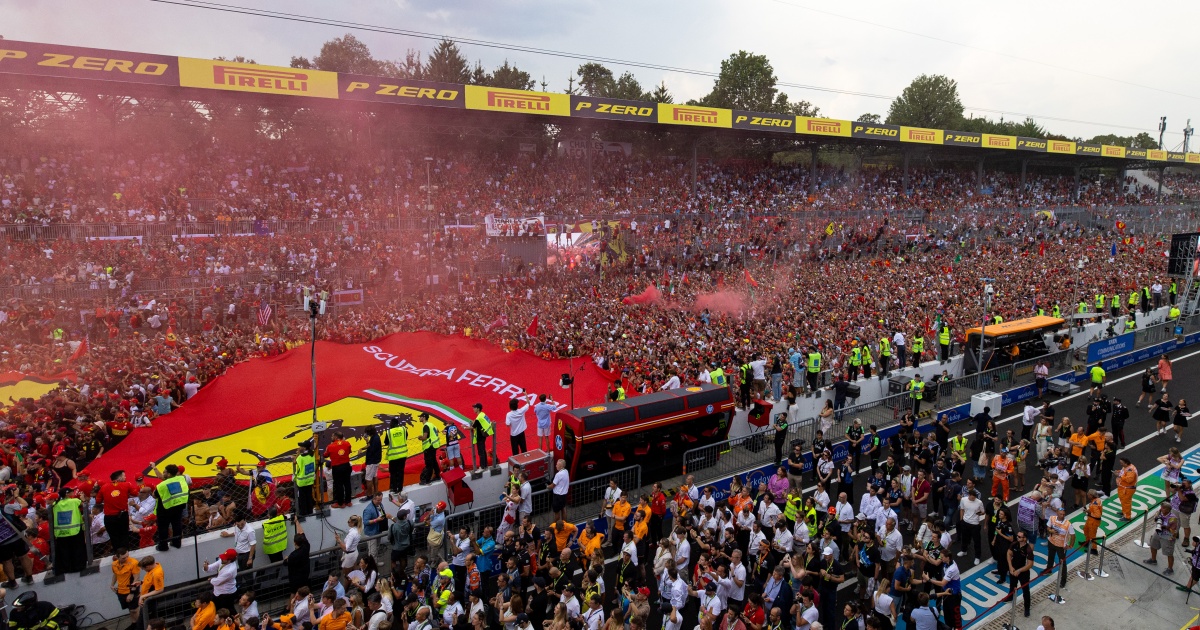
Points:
(139, 272)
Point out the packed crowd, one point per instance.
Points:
(54, 185)
(722, 274)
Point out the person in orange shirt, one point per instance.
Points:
(1079, 441)
(336, 619)
(205, 617)
(620, 510)
(1002, 467)
(589, 541)
(1126, 484)
(563, 533)
(152, 581)
(125, 573)
(1095, 509)
(641, 526)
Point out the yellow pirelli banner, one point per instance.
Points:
(517, 101)
(921, 135)
(823, 126)
(695, 115)
(246, 77)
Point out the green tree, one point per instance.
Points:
(661, 94)
(929, 101)
(869, 118)
(628, 87)
(1029, 128)
(342, 54)
(802, 108)
(411, 67)
(1141, 141)
(595, 80)
(746, 81)
(447, 64)
(511, 77)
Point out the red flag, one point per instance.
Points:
(79, 352)
(750, 279)
(172, 339)
(684, 280)
(1121, 226)
(1041, 249)
(532, 329)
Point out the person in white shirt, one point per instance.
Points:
(674, 620)
(451, 613)
(893, 542)
(244, 541)
(822, 498)
(611, 494)
(898, 345)
(594, 617)
(808, 609)
(757, 536)
(570, 601)
(99, 534)
(800, 535)
(737, 573)
(869, 506)
(710, 603)
(515, 421)
(882, 516)
(1029, 418)
(378, 614)
(970, 517)
(672, 383)
(683, 551)
(768, 514)
(559, 488)
(758, 371)
(783, 541)
(844, 513)
(224, 583)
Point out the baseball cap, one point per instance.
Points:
(828, 551)
(441, 505)
(228, 555)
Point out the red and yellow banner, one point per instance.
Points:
(404, 373)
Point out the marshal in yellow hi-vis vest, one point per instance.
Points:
(397, 443)
(66, 518)
(274, 535)
(172, 492)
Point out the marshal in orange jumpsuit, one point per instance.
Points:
(1126, 484)
(1002, 467)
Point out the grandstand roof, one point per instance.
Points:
(62, 68)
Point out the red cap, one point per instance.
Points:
(229, 555)
(644, 592)
(222, 463)
(441, 505)
(180, 467)
(262, 463)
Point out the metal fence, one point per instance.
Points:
(272, 586)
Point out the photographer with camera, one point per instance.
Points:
(1166, 531)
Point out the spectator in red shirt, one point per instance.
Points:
(116, 494)
(658, 508)
(338, 454)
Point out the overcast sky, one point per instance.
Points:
(1080, 69)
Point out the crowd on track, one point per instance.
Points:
(751, 267)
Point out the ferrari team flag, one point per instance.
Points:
(402, 374)
(531, 330)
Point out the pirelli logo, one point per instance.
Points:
(697, 116)
(1112, 151)
(922, 135)
(999, 142)
(517, 101)
(245, 77)
(824, 126)
(1156, 154)
(261, 78)
(1061, 146)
